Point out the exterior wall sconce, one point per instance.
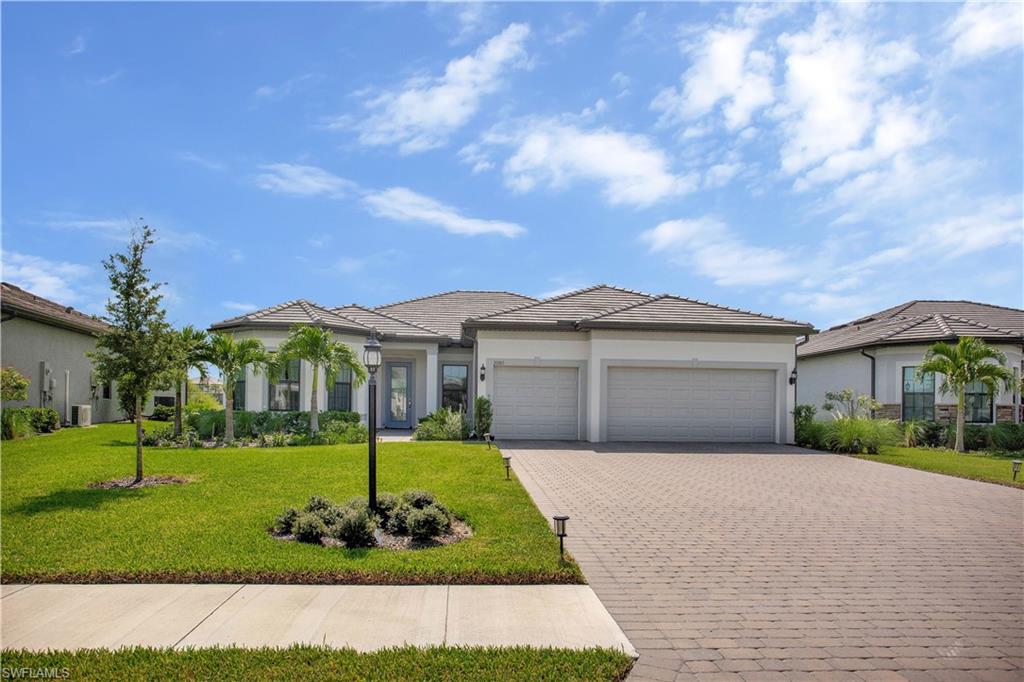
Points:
(1016, 468)
(792, 377)
(560, 532)
(508, 466)
(483, 371)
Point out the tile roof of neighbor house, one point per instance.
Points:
(562, 311)
(21, 303)
(447, 311)
(388, 325)
(920, 322)
(609, 307)
(285, 315)
(670, 312)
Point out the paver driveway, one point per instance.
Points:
(773, 563)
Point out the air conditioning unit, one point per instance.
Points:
(81, 415)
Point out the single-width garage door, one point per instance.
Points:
(668, 404)
(536, 403)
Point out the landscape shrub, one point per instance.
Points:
(418, 499)
(483, 413)
(210, 423)
(199, 399)
(13, 385)
(427, 523)
(976, 436)
(343, 431)
(913, 433)
(42, 419)
(162, 413)
(1007, 436)
(354, 526)
(274, 440)
(808, 433)
(857, 435)
(444, 424)
(308, 527)
(285, 521)
(157, 436)
(397, 520)
(935, 435)
(14, 423)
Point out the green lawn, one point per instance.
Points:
(317, 663)
(214, 528)
(974, 465)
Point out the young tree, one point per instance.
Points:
(318, 347)
(190, 351)
(137, 351)
(968, 361)
(231, 356)
(13, 385)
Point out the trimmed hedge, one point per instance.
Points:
(210, 423)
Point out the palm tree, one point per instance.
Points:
(970, 360)
(190, 352)
(318, 347)
(231, 356)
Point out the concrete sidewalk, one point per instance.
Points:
(364, 617)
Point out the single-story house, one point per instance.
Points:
(598, 364)
(47, 342)
(878, 355)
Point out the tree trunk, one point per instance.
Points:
(959, 446)
(229, 413)
(314, 417)
(138, 439)
(177, 409)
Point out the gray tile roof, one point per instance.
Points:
(677, 313)
(446, 312)
(561, 311)
(921, 322)
(14, 299)
(388, 325)
(285, 315)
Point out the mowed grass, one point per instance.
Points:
(318, 663)
(974, 465)
(214, 529)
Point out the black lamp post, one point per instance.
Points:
(1016, 468)
(372, 359)
(508, 465)
(560, 532)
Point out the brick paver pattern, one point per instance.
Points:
(772, 563)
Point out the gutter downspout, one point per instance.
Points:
(872, 359)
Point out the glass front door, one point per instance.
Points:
(398, 395)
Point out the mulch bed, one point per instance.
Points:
(146, 482)
(460, 531)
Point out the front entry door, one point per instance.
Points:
(398, 395)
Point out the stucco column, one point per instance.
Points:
(431, 384)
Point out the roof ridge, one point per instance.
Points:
(966, 320)
(913, 322)
(941, 321)
(625, 307)
(453, 291)
(262, 312)
(567, 294)
(739, 310)
(389, 316)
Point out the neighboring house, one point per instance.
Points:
(597, 364)
(878, 356)
(47, 342)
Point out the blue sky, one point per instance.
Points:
(812, 161)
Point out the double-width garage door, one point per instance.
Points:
(668, 404)
(536, 403)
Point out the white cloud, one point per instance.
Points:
(573, 28)
(622, 82)
(631, 168)
(76, 46)
(725, 69)
(404, 205)
(720, 174)
(474, 155)
(833, 89)
(348, 265)
(240, 307)
(59, 281)
(425, 111)
(108, 78)
(982, 29)
(319, 241)
(714, 251)
(120, 230)
(207, 163)
(302, 181)
(286, 88)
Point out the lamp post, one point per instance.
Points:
(372, 359)
(560, 532)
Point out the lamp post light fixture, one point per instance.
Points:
(1016, 468)
(488, 438)
(372, 361)
(508, 466)
(560, 532)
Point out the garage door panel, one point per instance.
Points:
(677, 404)
(536, 402)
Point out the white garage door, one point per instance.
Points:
(536, 403)
(727, 405)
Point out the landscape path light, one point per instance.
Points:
(1016, 468)
(560, 532)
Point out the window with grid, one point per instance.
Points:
(977, 403)
(284, 395)
(339, 394)
(918, 395)
(238, 397)
(455, 387)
